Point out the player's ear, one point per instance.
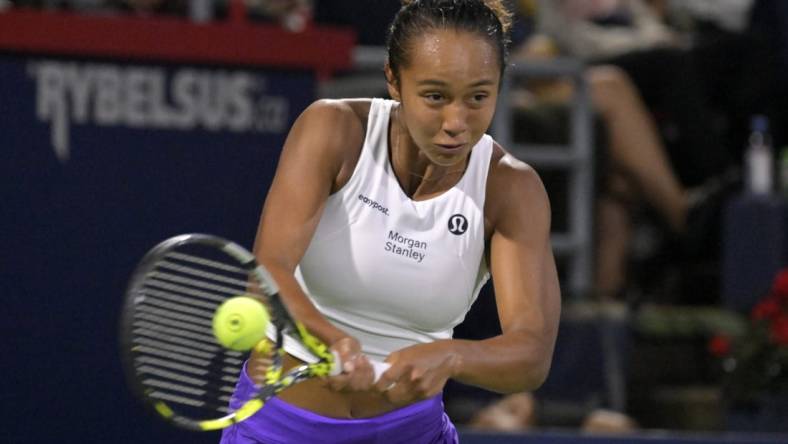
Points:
(391, 83)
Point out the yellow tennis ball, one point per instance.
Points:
(240, 323)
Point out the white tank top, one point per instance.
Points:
(391, 271)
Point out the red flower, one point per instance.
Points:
(719, 346)
(768, 308)
(780, 285)
(779, 330)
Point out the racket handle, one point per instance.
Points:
(377, 366)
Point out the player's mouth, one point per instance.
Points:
(450, 146)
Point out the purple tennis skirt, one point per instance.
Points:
(278, 422)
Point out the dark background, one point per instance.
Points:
(73, 231)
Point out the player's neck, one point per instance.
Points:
(419, 177)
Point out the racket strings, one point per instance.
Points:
(174, 335)
(180, 311)
(207, 290)
(200, 273)
(175, 353)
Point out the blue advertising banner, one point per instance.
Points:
(102, 160)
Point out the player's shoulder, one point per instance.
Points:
(331, 131)
(513, 186)
(331, 127)
(510, 174)
(338, 114)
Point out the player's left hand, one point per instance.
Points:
(418, 372)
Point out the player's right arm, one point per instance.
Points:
(318, 157)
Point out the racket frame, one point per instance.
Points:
(276, 380)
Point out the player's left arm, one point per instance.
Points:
(527, 296)
(527, 291)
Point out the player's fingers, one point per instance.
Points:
(390, 371)
(384, 384)
(339, 382)
(257, 367)
(346, 350)
(363, 375)
(415, 385)
(396, 383)
(348, 366)
(356, 375)
(400, 392)
(388, 379)
(351, 362)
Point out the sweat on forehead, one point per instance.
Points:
(457, 52)
(487, 19)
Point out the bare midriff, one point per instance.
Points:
(314, 395)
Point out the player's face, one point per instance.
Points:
(448, 93)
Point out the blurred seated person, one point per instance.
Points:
(631, 35)
(608, 422)
(512, 413)
(518, 412)
(293, 15)
(601, 29)
(635, 166)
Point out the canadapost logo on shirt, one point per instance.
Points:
(373, 204)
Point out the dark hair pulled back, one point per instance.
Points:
(487, 18)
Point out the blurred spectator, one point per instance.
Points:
(698, 96)
(293, 15)
(516, 412)
(635, 165)
(519, 412)
(599, 29)
(275, 8)
(630, 35)
(607, 422)
(686, 15)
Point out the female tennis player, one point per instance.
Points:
(383, 221)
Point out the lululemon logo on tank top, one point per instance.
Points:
(458, 224)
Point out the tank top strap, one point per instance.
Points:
(474, 182)
(373, 160)
(376, 140)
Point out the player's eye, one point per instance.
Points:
(480, 97)
(433, 97)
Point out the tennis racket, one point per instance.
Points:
(171, 357)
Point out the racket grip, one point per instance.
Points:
(377, 366)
